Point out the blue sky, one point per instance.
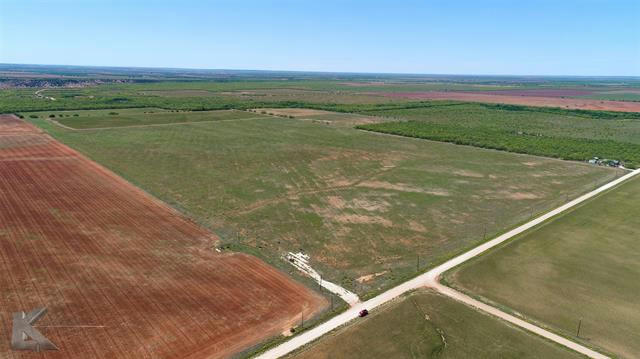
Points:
(571, 37)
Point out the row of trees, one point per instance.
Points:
(579, 149)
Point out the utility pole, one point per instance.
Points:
(579, 325)
(302, 319)
(484, 235)
(418, 263)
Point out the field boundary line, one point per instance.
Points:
(430, 279)
(150, 125)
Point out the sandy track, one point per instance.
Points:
(570, 103)
(97, 251)
(430, 279)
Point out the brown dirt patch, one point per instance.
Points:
(417, 227)
(95, 250)
(569, 103)
(370, 205)
(369, 277)
(510, 193)
(401, 187)
(531, 164)
(358, 203)
(10, 124)
(522, 195)
(336, 202)
(362, 219)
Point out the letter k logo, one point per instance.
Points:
(26, 337)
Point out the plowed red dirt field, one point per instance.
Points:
(97, 251)
(520, 99)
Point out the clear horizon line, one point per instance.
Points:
(319, 71)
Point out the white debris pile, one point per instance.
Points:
(301, 261)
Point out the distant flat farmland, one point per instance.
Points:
(519, 99)
(98, 119)
(122, 274)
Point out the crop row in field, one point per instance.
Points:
(122, 274)
(567, 148)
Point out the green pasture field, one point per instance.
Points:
(137, 117)
(580, 268)
(182, 96)
(426, 324)
(370, 209)
(346, 95)
(243, 94)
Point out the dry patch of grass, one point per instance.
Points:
(356, 202)
(402, 187)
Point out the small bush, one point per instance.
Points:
(52, 116)
(33, 116)
(113, 113)
(75, 115)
